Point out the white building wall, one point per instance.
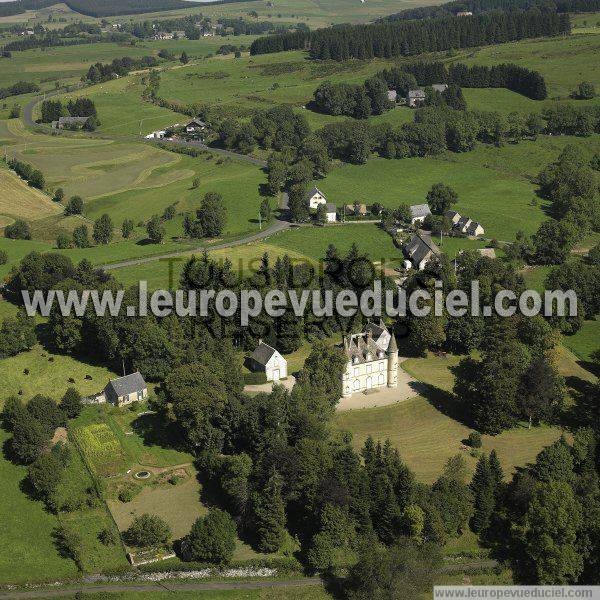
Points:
(317, 199)
(276, 368)
(365, 376)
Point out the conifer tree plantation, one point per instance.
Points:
(253, 151)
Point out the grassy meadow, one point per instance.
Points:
(23, 521)
(49, 374)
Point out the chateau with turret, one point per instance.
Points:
(372, 360)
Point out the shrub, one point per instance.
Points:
(74, 206)
(19, 230)
(474, 439)
(3, 257)
(108, 537)
(62, 241)
(129, 491)
(212, 538)
(148, 531)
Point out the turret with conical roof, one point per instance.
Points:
(393, 363)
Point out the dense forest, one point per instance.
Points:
(402, 38)
(506, 75)
(478, 7)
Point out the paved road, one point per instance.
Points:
(221, 151)
(174, 586)
(160, 587)
(255, 237)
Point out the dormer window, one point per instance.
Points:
(355, 360)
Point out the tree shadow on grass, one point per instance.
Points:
(443, 401)
(590, 367)
(584, 410)
(153, 432)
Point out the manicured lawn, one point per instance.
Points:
(49, 374)
(585, 341)
(179, 505)
(140, 438)
(428, 429)
(27, 552)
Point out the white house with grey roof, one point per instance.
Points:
(268, 360)
(418, 213)
(124, 390)
(372, 361)
(452, 216)
(331, 212)
(315, 197)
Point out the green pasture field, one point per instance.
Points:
(88, 522)
(27, 552)
(495, 185)
(16, 250)
(586, 23)
(135, 180)
(428, 429)
(313, 241)
(49, 374)
(66, 64)
(564, 61)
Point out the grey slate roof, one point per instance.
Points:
(376, 329)
(452, 215)
(420, 247)
(463, 222)
(314, 191)
(330, 207)
(392, 95)
(263, 353)
(472, 227)
(418, 211)
(416, 93)
(361, 348)
(123, 386)
(440, 87)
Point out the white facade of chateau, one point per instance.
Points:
(372, 361)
